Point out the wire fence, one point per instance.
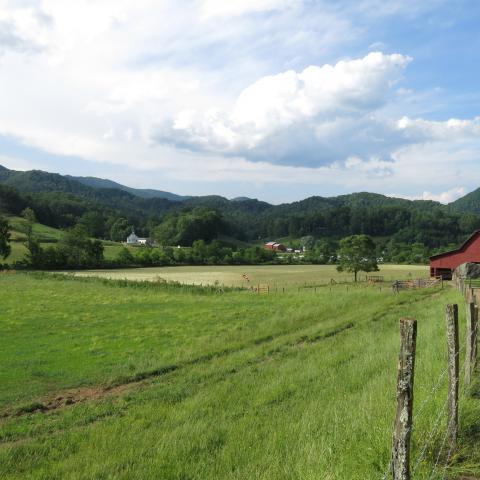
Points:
(434, 436)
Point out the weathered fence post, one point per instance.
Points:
(471, 347)
(453, 374)
(403, 421)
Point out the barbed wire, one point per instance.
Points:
(430, 437)
(422, 407)
(434, 429)
(450, 450)
(434, 469)
(463, 391)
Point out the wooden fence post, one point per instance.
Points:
(453, 374)
(403, 421)
(471, 347)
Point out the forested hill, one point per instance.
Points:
(139, 192)
(62, 201)
(469, 203)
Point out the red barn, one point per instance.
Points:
(444, 264)
(278, 247)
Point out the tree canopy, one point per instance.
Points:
(357, 253)
(5, 248)
(185, 227)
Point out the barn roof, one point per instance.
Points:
(462, 248)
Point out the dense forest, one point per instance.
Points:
(404, 230)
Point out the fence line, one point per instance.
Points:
(400, 470)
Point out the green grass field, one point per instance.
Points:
(274, 275)
(47, 236)
(44, 233)
(107, 380)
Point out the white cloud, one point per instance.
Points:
(232, 8)
(445, 197)
(309, 107)
(442, 197)
(210, 91)
(452, 129)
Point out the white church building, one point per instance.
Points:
(132, 239)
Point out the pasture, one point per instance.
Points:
(104, 379)
(274, 275)
(47, 237)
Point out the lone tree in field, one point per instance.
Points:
(357, 254)
(4, 239)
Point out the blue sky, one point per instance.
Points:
(272, 99)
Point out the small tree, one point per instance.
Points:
(357, 253)
(5, 248)
(29, 215)
(125, 257)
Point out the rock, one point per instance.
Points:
(468, 270)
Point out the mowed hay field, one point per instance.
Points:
(273, 275)
(108, 380)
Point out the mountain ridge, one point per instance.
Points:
(33, 181)
(97, 182)
(62, 201)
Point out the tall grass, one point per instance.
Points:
(294, 386)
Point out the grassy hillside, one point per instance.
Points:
(47, 236)
(44, 233)
(104, 381)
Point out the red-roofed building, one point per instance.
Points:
(278, 247)
(444, 264)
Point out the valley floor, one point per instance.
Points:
(277, 276)
(112, 380)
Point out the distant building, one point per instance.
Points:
(277, 247)
(132, 239)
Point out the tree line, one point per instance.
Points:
(404, 231)
(76, 250)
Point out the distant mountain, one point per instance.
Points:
(35, 181)
(61, 201)
(139, 192)
(470, 203)
(241, 199)
(67, 190)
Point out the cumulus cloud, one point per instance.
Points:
(452, 129)
(218, 91)
(284, 115)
